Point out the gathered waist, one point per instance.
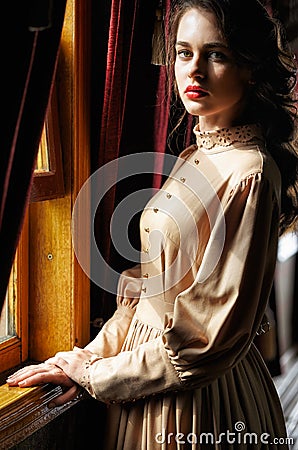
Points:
(153, 311)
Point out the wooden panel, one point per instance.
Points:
(50, 303)
(10, 353)
(81, 159)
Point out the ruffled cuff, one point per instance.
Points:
(133, 374)
(84, 380)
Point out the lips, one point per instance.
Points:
(195, 92)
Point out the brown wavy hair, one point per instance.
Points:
(258, 42)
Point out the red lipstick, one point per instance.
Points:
(194, 92)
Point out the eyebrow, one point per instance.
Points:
(205, 46)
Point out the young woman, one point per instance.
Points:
(176, 363)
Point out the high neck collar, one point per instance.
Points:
(226, 137)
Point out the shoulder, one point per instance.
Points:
(188, 151)
(254, 160)
(256, 167)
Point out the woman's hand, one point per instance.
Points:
(75, 362)
(46, 373)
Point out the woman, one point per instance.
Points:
(176, 363)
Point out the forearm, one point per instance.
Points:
(109, 340)
(130, 375)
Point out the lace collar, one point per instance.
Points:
(225, 137)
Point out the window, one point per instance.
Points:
(48, 292)
(8, 316)
(48, 184)
(48, 177)
(14, 316)
(51, 292)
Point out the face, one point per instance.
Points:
(210, 83)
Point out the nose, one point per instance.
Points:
(197, 68)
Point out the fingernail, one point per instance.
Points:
(51, 405)
(22, 383)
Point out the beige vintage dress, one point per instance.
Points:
(177, 365)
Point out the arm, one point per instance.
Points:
(111, 337)
(108, 342)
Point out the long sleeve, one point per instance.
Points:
(110, 339)
(215, 320)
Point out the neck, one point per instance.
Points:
(238, 116)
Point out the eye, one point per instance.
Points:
(216, 55)
(184, 53)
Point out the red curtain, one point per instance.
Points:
(30, 36)
(135, 117)
(121, 35)
(126, 123)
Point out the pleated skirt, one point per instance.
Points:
(239, 410)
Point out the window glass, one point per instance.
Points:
(42, 163)
(8, 315)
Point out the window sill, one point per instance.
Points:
(25, 410)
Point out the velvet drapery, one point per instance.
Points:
(135, 118)
(30, 36)
(118, 66)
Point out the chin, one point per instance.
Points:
(194, 109)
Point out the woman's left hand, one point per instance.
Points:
(44, 373)
(73, 363)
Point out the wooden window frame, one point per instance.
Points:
(58, 310)
(14, 350)
(49, 184)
